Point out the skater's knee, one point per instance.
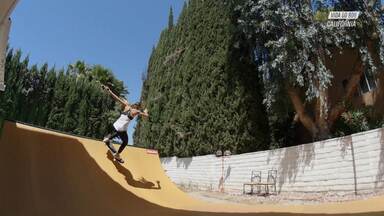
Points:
(125, 142)
(124, 139)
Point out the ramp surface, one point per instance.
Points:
(49, 173)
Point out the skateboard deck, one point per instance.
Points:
(118, 160)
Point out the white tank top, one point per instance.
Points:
(121, 124)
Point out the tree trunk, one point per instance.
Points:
(322, 115)
(324, 119)
(321, 109)
(299, 107)
(351, 88)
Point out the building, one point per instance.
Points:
(6, 7)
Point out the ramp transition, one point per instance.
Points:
(48, 173)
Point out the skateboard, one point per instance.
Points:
(113, 152)
(118, 160)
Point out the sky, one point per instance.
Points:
(118, 34)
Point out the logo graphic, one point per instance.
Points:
(341, 19)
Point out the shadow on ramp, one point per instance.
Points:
(142, 183)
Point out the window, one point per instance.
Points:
(367, 83)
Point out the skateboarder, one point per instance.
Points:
(119, 128)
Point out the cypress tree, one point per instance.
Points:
(170, 18)
(199, 88)
(70, 101)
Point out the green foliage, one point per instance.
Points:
(357, 120)
(70, 101)
(170, 18)
(1, 120)
(321, 15)
(292, 46)
(200, 88)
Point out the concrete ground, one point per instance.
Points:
(281, 199)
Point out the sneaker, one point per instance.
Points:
(118, 158)
(117, 155)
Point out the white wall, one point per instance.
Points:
(4, 32)
(6, 7)
(337, 166)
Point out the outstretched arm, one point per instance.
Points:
(117, 98)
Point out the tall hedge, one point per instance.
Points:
(200, 87)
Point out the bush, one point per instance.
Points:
(357, 120)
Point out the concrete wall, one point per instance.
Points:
(6, 7)
(338, 166)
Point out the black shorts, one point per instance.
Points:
(121, 134)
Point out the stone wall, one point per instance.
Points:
(347, 165)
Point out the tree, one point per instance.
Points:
(200, 89)
(70, 101)
(56, 116)
(292, 48)
(170, 18)
(79, 68)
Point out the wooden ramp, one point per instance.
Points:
(49, 173)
